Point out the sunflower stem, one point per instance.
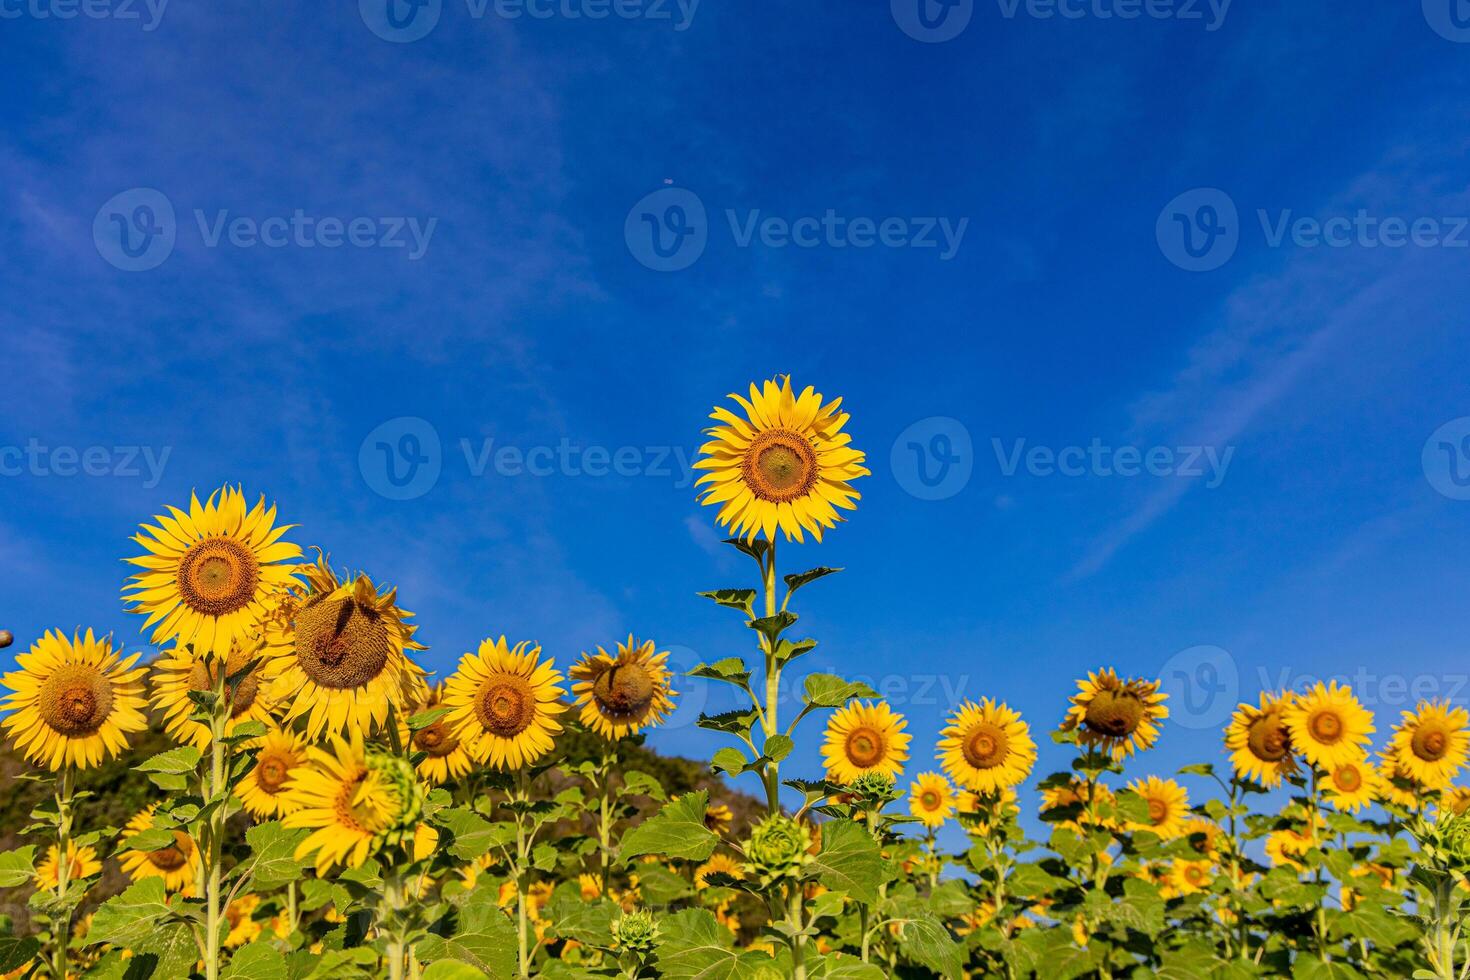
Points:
(772, 773)
(522, 849)
(604, 827)
(214, 835)
(62, 929)
(798, 939)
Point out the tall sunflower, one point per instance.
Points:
(445, 756)
(83, 863)
(986, 747)
(177, 864)
(337, 652)
(1120, 717)
(73, 701)
(1430, 744)
(931, 799)
(181, 671)
(863, 738)
(263, 788)
(787, 464)
(354, 801)
(1351, 784)
(1328, 726)
(504, 703)
(208, 572)
(1168, 806)
(1259, 741)
(620, 694)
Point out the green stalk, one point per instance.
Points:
(773, 680)
(604, 830)
(214, 836)
(62, 929)
(392, 900)
(521, 868)
(1320, 922)
(798, 942)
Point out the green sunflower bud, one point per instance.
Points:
(636, 932)
(777, 849)
(873, 789)
(403, 785)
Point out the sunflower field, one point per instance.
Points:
(325, 808)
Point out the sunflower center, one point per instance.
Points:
(1194, 875)
(1116, 714)
(218, 576)
(170, 858)
(341, 644)
(1158, 810)
(864, 747)
(271, 772)
(365, 804)
(1268, 739)
(1430, 744)
(506, 705)
(624, 691)
(929, 800)
(204, 676)
(1347, 778)
(1326, 727)
(780, 465)
(435, 741)
(75, 700)
(986, 747)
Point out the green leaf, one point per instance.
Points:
(453, 970)
(729, 760)
(152, 839)
(737, 722)
(574, 918)
(255, 961)
(677, 830)
(925, 940)
(778, 747)
(1198, 769)
(850, 861)
(755, 547)
(486, 938)
(642, 783)
(797, 579)
(742, 599)
(771, 627)
(274, 846)
(426, 719)
(127, 920)
(246, 730)
(473, 834)
(181, 761)
(660, 887)
(831, 691)
(17, 951)
(692, 945)
(789, 650)
(17, 867)
(731, 670)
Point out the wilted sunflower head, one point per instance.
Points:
(863, 738)
(621, 694)
(986, 746)
(1328, 726)
(1118, 716)
(786, 465)
(1259, 741)
(504, 703)
(1430, 743)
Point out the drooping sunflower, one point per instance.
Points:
(787, 464)
(1328, 726)
(718, 818)
(208, 572)
(445, 756)
(620, 694)
(931, 799)
(504, 703)
(863, 738)
(718, 864)
(337, 652)
(986, 747)
(1120, 717)
(1352, 784)
(82, 863)
(74, 701)
(1168, 806)
(1259, 741)
(180, 671)
(355, 802)
(177, 864)
(263, 788)
(1189, 877)
(1431, 743)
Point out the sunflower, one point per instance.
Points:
(1430, 744)
(1189, 877)
(82, 863)
(337, 653)
(1328, 726)
(1285, 848)
(718, 818)
(445, 756)
(1455, 800)
(786, 465)
(263, 788)
(504, 703)
(717, 864)
(239, 914)
(180, 671)
(621, 694)
(1394, 787)
(986, 747)
(1352, 784)
(979, 810)
(1118, 716)
(355, 802)
(73, 701)
(1259, 741)
(1168, 806)
(1077, 792)
(931, 799)
(207, 573)
(177, 864)
(864, 738)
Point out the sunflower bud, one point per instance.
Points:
(636, 932)
(873, 790)
(402, 782)
(1444, 845)
(778, 848)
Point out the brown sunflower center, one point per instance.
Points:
(218, 576)
(929, 800)
(204, 675)
(624, 692)
(173, 857)
(75, 700)
(1116, 714)
(1326, 727)
(341, 643)
(864, 747)
(1158, 811)
(1268, 738)
(506, 705)
(436, 741)
(780, 465)
(1430, 744)
(986, 747)
(1347, 778)
(271, 772)
(1194, 874)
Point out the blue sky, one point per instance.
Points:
(522, 148)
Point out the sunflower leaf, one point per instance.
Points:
(17, 866)
(692, 944)
(275, 864)
(677, 830)
(426, 719)
(789, 650)
(796, 580)
(255, 961)
(755, 548)
(831, 691)
(245, 731)
(181, 761)
(731, 670)
(778, 747)
(129, 918)
(473, 834)
(152, 839)
(16, 952)
(850, 861)
(1198, 769)
(741, 599)
(735, 722)
(771, 627)
(729, 760)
